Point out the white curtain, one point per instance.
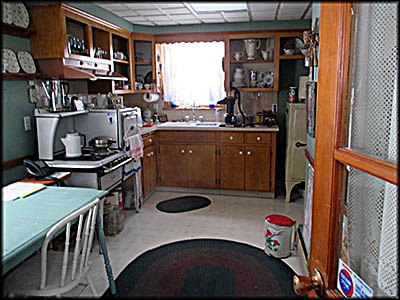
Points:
(192, 73)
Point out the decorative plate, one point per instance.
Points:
(268, 79)
(20, 15)
(11, 62)
(7, 12)
(25, 59)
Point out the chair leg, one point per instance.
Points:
(91, 285)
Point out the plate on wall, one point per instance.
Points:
(26, 61)
(6, 12)
(10, 61)
(20, 15)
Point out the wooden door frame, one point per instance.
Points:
(330, 155)
(331, 96)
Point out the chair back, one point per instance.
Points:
(86, 218)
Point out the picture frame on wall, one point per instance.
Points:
(311, 91)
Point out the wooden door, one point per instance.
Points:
(257, 168)
(332, 158)
(201, 166)
(231, 165)
(172, 165)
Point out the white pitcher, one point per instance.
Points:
(239, 74)
(251, 46)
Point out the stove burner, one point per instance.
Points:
(89, 154)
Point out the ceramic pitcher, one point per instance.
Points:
(251, 46)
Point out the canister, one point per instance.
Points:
(279, 234)
(292, 94)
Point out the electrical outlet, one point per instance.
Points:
(27, 123)
(274, 108)
(32, 95)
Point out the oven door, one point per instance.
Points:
(128, 126)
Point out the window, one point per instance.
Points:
(191, 73)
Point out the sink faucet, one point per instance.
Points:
(193, 114)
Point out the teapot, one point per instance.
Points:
(251, 46)
(239, 74)
(72, 143)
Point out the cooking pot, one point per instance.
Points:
(72, 143)
(101, 142)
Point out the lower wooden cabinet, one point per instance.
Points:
(187, 165)
(245, 168)
(149, 170)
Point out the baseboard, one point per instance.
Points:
(255, 194)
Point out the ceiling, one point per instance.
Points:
(184, 13)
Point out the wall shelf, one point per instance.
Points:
(16, 30)
(19, 76)
(245, 61)
(121, 61)
(297, 56)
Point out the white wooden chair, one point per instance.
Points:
(60, 271)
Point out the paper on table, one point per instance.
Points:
(20, 189)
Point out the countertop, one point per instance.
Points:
(195, 127)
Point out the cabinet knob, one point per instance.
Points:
(231, 138)
(148, 154)
(248, 152)
(259, 138)
(95, 65)
(81, 63)
(240, 152)
(150, 140)
(190, 151)
(152, 153)
(182, 151)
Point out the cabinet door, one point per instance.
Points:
(257, 168)
(232, 167)
(149, 170)
(172, 160)
(201, 166)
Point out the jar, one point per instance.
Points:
(292, 94)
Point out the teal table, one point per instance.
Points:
(26, 221)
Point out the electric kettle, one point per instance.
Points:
(72, 143)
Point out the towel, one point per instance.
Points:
(134, 147)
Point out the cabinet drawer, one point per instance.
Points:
(195, 137)
(149, 139)
(261, 138)
(231, 137)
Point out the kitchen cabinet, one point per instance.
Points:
(72, 44)
(296, 141)
(247, 161)
(143, 62)
(149, 164)
(267, 67)
(187, 159)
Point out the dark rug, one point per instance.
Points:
(205, 268)
(182, 204)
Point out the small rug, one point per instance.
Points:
(205, 268)
(182, 204)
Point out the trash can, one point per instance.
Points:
(279, 233)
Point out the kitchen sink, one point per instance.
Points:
(189, 124)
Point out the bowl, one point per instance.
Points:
(288, 51)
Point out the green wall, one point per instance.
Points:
(16, 142)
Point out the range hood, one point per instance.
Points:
(63, 68)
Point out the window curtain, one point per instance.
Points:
(192, 73)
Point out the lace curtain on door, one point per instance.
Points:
(373, 204)
(192, 73)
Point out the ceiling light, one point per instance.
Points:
(217, 6)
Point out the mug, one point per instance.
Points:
(264, 54)
(140, 86)
(147, 86)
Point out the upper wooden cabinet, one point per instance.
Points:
(265, 66)
(66, 36)
(144, 64)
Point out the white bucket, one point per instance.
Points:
(279, 234)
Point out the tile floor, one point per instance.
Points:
(232, 218)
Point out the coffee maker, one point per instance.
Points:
(229, 100)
